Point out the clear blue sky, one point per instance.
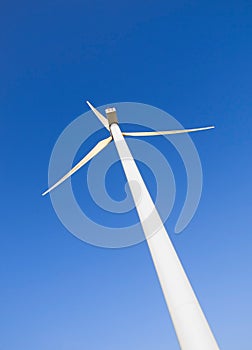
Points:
(190, 58)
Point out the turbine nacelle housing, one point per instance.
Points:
(111, 115)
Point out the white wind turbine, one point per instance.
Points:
(191, 326)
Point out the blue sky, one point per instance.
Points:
(189, 58)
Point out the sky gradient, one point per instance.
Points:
(189, 58)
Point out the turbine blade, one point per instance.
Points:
(98, 148)
(168, 132)
(102, 119)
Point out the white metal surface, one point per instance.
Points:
(94, 151)
(190, 324)
(165, 132)
(102, 119)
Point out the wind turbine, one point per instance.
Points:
(191, 326)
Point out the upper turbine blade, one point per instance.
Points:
(98, 148)
(168, 132)
(102, 119)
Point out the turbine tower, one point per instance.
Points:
(191, 326)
